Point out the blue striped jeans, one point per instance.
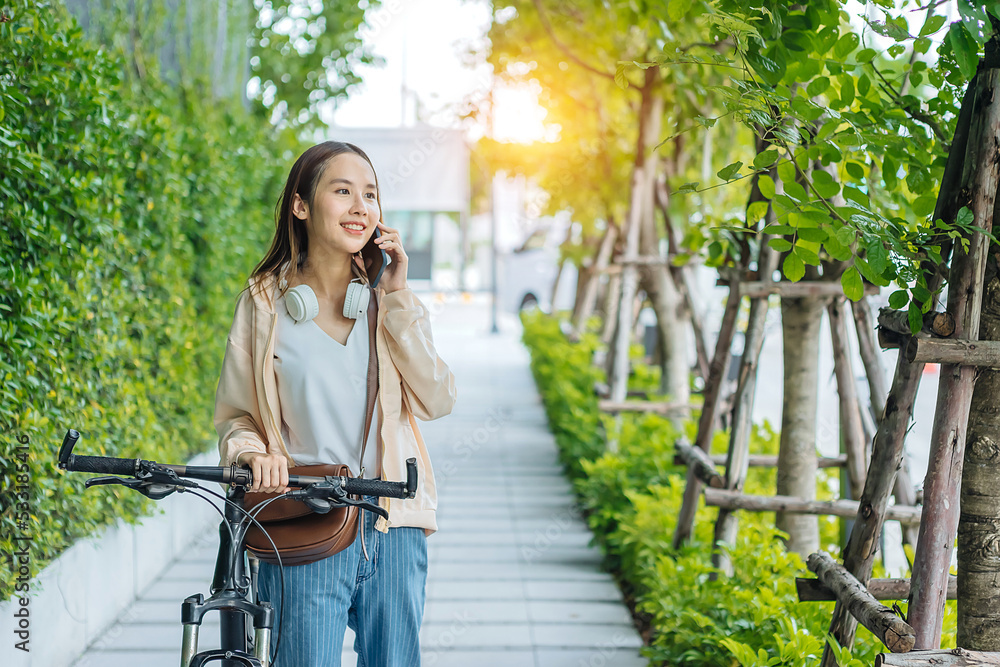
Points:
(380, 599)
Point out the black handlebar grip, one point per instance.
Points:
(69, 442)
(375, 487)
(102, 464)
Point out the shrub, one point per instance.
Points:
(632, 498)
(131, 219)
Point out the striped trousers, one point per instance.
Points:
(380, 599)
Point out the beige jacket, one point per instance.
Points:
(413, 382)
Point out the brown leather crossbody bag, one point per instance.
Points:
(301, 535)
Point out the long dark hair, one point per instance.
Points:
(290, 238)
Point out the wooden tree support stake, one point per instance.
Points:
(956, 657)
(733, 500)
(815, 288)
(962, 352)
(613, 406)
(771, 461)
(882, 621)
(937, 324)
(813, 590)
(700, 464)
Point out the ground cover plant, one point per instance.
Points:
(631, 499)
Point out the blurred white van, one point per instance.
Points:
(528, 275)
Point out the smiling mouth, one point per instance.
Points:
(353, 226)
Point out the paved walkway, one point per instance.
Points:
(512, 579)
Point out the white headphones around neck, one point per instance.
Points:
(302, 304)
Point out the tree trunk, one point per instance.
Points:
(852, 431)
(887, 449)
(588, 298)
(903, 489)
(718, 370)
(979, 526)
(939, 526)
(800, 324)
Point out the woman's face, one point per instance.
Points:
(345, 207)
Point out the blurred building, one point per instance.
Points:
(423, 178)
(193, 39)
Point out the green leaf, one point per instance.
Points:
(864, 85)
(765, 159)
(846, 235)
(796, 191)
(846, 44)
(824, 184)
(778, 229)
(924, 206)
(817, 86)
(730, 170)
(932, 24)
(620, 79)
(793, 268)
(766, 185)
(780, 245)
(915, 317)
(866, 55)
(846, 82)
(854, 287)
(756, 212)
(855, 170)
(965, 48)
(770, 65)
(786, 172)
(688, 187)
(898, 299)
(815, 234)
(964, 217)
(876, 254)
(807, 255)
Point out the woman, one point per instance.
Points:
(289, 395)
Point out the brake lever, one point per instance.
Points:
(324, 496)
(152, 490)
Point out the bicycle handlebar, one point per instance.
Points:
(232, 475)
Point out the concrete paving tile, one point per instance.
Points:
(445, 636)
(581, 635)
(450, 571)
(475, 590)
(460, 538)
(573, 590)
(472, 611)
(599, 657)
(505, 553)
(466, 658)
(578, 612)
(563, 571)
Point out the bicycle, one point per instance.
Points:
(234, 594)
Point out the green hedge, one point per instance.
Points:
(632, 498)
(131, 217)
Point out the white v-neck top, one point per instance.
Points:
(322, 391)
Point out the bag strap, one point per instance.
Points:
(372, 379)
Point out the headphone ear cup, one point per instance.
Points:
(356, 300)
(301, 303)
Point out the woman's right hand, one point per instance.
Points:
(270, 471)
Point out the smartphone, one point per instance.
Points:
(375, 259)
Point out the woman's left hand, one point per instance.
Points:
(394, 276)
